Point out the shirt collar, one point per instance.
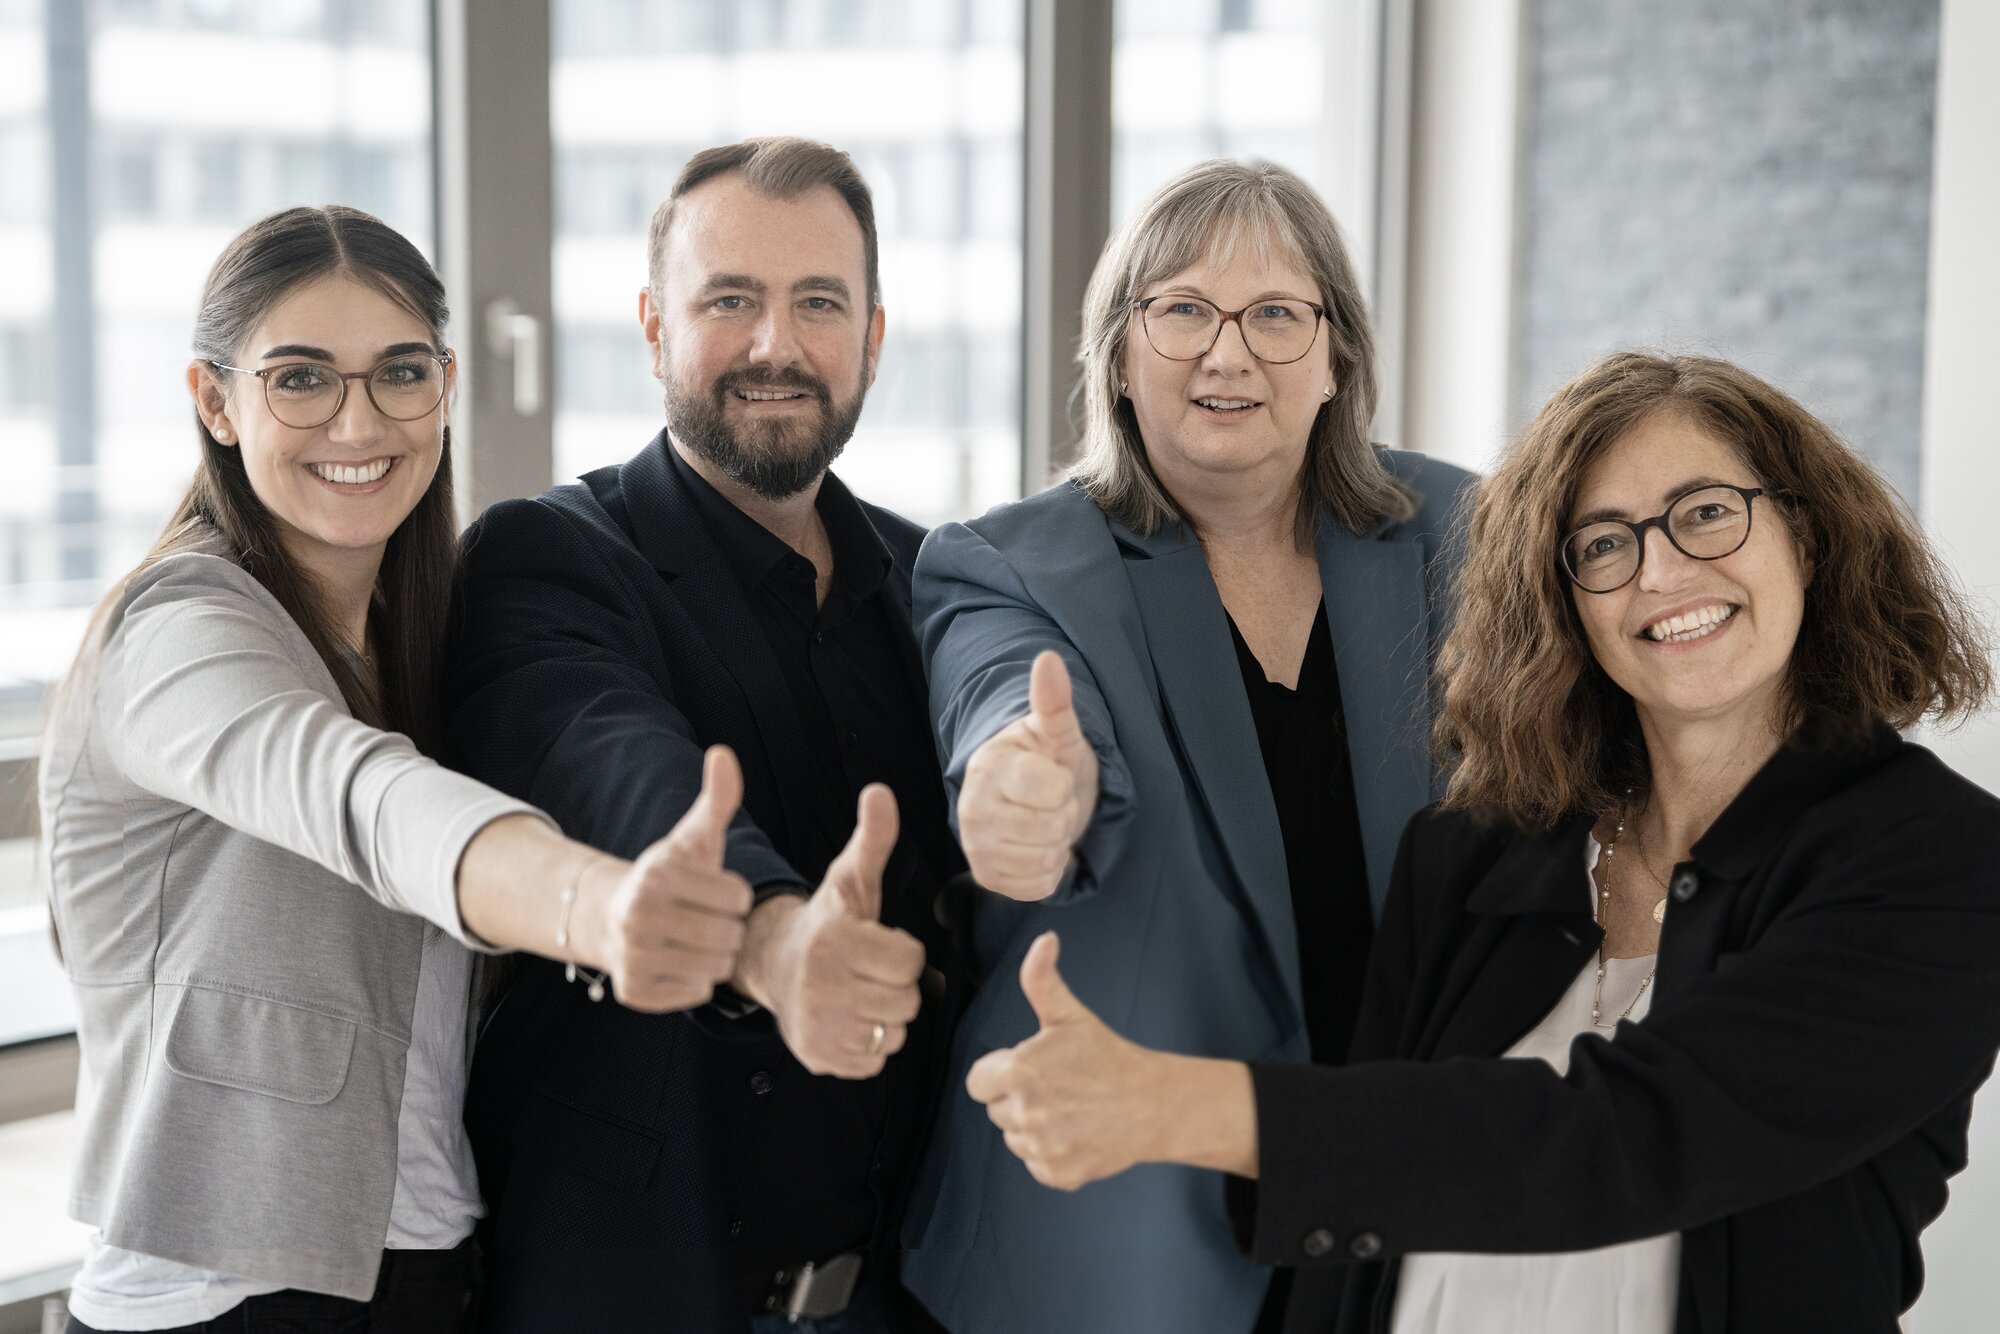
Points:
(1537, 872)
(861, 560)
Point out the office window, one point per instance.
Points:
(926, 95)
(1196, 79)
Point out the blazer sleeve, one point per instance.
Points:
(207, 704)
(1863, 1010)
(556, 692)
(980, 629)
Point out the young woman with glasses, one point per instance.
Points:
(1181, 700)
(264, 885)
(1737, 935)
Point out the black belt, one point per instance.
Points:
(815, 1289)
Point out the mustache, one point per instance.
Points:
(790, 378)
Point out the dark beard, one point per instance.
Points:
(776, 459)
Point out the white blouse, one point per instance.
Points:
(1628, 1289)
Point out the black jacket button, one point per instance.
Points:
(1686, 885)
(760, 1083)
(1317, 1243)
(1365, 1246)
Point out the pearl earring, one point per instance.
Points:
(222, 433)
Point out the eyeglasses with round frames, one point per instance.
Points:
(1705, 523)
(1278, 331)
(305, 394)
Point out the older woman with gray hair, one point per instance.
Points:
(1181, 703)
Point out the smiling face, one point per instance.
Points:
(1227, 419)
(762, 335)
(340, 489)
(1691, 640)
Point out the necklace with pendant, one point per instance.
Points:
(1601, 905)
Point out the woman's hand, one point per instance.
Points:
(1029, 792)
(668, 926)
(1078, 1103)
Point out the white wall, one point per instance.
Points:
(1464, 155)
(1961, 483)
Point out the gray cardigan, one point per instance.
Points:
(241, 871)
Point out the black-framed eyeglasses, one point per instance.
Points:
(1705, 523)
(305, 394)
(1278, 330)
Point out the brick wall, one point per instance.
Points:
(1745, 178)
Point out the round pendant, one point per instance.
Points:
(1660, 911)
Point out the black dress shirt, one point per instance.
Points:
(864, 720)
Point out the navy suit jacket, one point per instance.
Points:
(631, 1161)
(1176, 922)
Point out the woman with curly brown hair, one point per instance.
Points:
(1736, 934)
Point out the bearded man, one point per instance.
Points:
(699, 1171)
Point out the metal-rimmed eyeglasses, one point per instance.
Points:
(1277, 330)
(305, 394)
(1705, 523)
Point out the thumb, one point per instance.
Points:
(1054, 1002)
(858, 871)
(1051, 710)
(700, 835)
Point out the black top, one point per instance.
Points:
(1304, 739)
(1825, 1005)
(641, 1167)
(865, 721)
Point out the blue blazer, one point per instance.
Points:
(1176, 920)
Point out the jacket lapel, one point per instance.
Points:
(1201, 691)
(669, 532)
(1378, 614)
(1531, 932)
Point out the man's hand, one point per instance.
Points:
(842, 986)
(670, 927)
(1029, 792)
(1078, 1103)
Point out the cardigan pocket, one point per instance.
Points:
(259, 1046)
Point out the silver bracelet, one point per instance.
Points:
(570, 971)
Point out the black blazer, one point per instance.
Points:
(1827, 1000)
(638, 1167)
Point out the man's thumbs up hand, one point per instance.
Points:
(842, 986)
(1029, 791)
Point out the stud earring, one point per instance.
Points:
(222, 434)
(1121, 386)
(1326, 392)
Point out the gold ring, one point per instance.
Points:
(875, 1040)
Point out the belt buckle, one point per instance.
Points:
(823, 1289)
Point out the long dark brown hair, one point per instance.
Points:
(1535, 728)
(261, 267)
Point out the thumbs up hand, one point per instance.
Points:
(670, 929)
(1029, 792)
(842, 986)
(1076, 1102)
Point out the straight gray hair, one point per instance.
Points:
(1207, 213)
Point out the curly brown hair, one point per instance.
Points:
(1533, 728)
